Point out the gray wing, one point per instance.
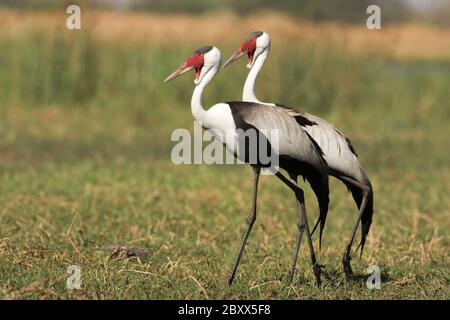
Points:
(293, 141)
(337, 148)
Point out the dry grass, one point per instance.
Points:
(403, 40)
(67, 208)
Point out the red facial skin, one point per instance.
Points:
(249, 46)
(196, 61)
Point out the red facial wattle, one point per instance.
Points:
(249, 46)
(197, 73)
(196, 61)
(250, 55)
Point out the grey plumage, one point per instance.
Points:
(294, 141)
(343, 164)
(203, 49)
(254, 34)
(299, 154)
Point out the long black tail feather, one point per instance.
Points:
(322, 193)
(366, 218)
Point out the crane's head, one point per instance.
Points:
(202, 61)
(256, 43)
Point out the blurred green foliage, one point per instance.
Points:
(353, 11)
(73, 69)
(349, 11)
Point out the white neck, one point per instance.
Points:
(249, 86)
(198, 112)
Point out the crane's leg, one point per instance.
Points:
(301, 228)
(250, 221)
(302, 212)
(347, 258)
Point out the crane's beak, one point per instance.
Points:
(178, 72)
(234, 57)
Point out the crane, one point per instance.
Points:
(339, 153)
(297, 153)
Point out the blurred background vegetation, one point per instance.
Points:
(85, 126)
(432, 11)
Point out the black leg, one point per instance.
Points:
(316, 266)
(347, 257)
(250, 221)
(301, 228)
(302, 212)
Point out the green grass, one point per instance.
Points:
(85, 130)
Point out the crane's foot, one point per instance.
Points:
(231, 277)
(290, 277)
(347, 267)
(317, 273)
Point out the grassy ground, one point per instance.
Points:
(85, 162)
